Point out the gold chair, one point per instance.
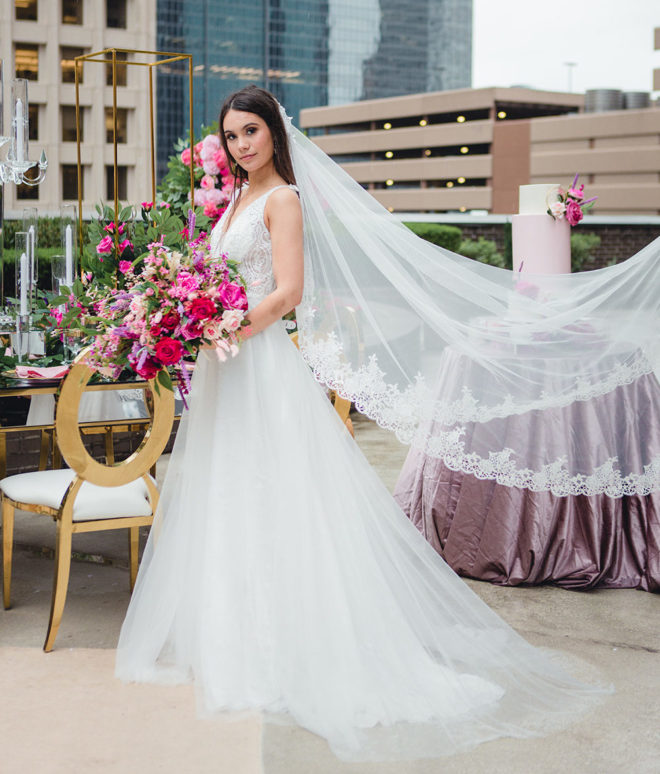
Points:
(88, 496)
(341, 405)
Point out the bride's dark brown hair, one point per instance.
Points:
(253, 99)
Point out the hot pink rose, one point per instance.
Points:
(185, 156)
(201, 308)
(149, 369)
(105, 245)
(125, 266)
(232, 296)
(577, 193)
(573, 212)
(168, 351)
(149, 205)
(191, 330)
(126, 244)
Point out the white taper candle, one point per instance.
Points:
(68, 255)
(20, 132)
(24, 280)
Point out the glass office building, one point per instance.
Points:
(307, 52)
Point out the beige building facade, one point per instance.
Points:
(470, 149)
(38, 41)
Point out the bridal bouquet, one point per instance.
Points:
(166, 312)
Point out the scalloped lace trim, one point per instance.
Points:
(402, 412)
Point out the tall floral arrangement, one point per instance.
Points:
(214, 181)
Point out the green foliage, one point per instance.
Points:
(448, 237)
(583, 245)
(151, 225)
(482, 250)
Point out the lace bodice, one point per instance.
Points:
(247, 241)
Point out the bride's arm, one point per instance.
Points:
(283, 218)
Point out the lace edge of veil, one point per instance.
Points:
(405, 412)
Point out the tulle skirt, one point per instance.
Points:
(281, 575)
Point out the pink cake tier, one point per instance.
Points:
(541, 244)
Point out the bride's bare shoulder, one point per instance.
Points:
(282, 203)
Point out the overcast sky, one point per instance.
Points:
(526, 42)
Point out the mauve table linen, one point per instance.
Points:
(512, 536)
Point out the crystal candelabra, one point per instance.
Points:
(14, 167)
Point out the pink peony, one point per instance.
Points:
(105, 245)
(573, 212)
(186, 283)
(210, 167)
(207, 182)
(185, 156)
(220, 158)
(125, 266)
(210, 210)
(232, 296)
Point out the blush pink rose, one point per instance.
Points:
(232, 319)
(573, 212)
(207, 182)
(185, 156)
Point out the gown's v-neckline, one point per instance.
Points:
(224, 231)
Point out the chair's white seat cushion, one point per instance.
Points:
(47, 487)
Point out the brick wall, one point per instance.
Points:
(618, 242)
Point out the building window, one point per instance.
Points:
(70, 181)
(69, 123)
(122, 125)
(33, 113)
(26, 58)
(25, 10)
(115, 13)
(122, 183)
(72, 12)
(68, 56)
(121, 70)
(28, 191)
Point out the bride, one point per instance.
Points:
(280, 574)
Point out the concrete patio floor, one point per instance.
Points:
(65, 712)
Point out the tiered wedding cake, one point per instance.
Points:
(541, 244)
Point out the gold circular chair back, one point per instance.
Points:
(71, 444)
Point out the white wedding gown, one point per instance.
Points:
(281, 574)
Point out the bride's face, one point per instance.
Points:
(249, 139)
